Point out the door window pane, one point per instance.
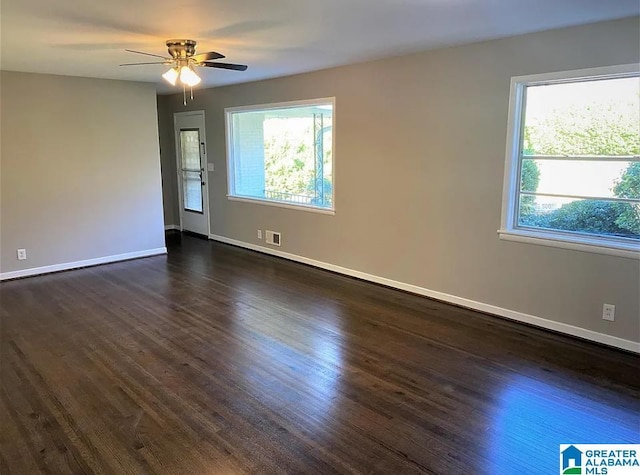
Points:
(192, 191)
(190, 147)
(191, 172)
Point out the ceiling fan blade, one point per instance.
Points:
(207, 56)
(148, 54)
(142, 64)
(235, 67)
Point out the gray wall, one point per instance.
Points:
(420, 149)
(80, 169)
(168, 163)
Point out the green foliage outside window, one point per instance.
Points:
(290, 172)
(609, 132)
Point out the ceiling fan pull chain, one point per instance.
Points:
(191, 88)
(184, 94)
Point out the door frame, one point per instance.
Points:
(203, 151)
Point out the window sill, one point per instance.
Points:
(281, 204)
(576, 243)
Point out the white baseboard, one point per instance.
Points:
(602, 338)
(169, 227)
(86, 263)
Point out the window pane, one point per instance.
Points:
(191, 179)
(284, 154)
(192, 188)
(597, 117)
(596, 217)
(598, 179)
(190, 148)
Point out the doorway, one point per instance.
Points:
(193, 183)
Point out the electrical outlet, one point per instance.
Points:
(608, 312)
(259, 233)
(22, 254)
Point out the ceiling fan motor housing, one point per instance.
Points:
(181, 49)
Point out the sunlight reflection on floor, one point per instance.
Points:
(535, 417)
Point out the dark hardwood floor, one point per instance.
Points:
(215, 359)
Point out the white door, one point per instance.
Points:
(193, 185)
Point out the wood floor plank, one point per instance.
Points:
(215, 359)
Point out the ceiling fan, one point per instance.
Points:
(183, 59)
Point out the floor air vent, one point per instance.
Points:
(272, 238)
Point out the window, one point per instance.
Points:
(191, 172)
(572, 176)
(282, 154)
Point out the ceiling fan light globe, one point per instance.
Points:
(171, 76)
(188, 77)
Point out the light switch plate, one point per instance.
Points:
(210, 167)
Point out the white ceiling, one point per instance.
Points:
(274, 37)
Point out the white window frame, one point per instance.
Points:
(509, 230)
(231, 195)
